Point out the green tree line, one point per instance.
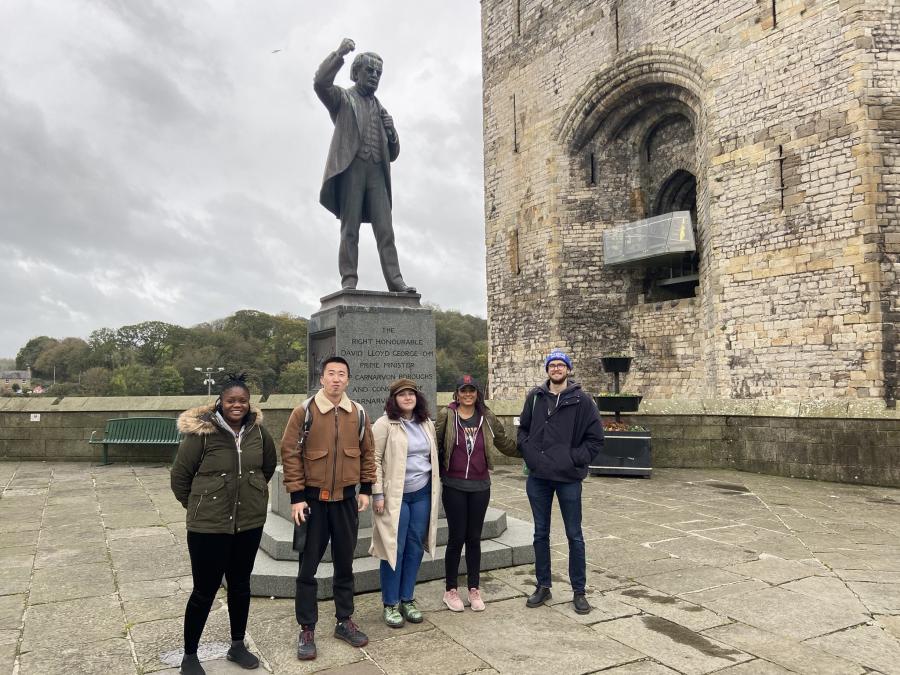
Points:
(154, 358)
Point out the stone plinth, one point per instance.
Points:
(383, 336)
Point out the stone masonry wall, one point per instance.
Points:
(881, 33)
(795, 134)
(839, 441)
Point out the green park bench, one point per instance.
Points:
(138, 431)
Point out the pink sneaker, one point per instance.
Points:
(453, 601)
(475, 601)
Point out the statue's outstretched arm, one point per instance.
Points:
(323, 82)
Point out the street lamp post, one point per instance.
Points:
(208, 381)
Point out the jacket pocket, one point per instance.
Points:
(580, 457)
(316, 466)
(350, 466)
(254, 498)
(208, 506)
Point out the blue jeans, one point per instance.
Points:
(415, 513)
(540, 495)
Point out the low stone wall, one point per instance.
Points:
(852, 442)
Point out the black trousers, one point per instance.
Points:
(465, 513)
(214, 556)
(339, 522)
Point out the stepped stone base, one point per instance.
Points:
(505, 542)
(278, 535)
(276, 578)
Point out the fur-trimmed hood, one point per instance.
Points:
(201, 421)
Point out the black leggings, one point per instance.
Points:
(214, 555)
(465, 517)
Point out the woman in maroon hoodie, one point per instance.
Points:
(466, 432)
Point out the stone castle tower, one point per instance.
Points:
(774, 123)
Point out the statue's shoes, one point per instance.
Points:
(403, 288)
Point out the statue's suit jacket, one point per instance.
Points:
(345, 142)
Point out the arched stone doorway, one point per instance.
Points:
(632, 136)
(680, 278)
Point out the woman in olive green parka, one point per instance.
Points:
(220, 475)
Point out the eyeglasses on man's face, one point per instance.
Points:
(557, 366)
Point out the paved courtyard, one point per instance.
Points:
(694, 571)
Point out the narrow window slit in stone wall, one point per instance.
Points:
(615, 13)
(593, 168)
(774, 14)
(781, 176)
(518, 4)
(515, 126)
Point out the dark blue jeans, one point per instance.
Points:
(415, 515)
(540, 495)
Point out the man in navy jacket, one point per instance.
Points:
(560, 433)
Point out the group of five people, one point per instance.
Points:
(336, 463)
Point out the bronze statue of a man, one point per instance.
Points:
(357, 183)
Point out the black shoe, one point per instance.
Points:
(190, 665)
(306, 645)
(581, 604)
(241, 655)
(350, 633)
(539, 597)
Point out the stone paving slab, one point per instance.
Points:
(110, 657)
(499, 635)
(70, 582)
(773, 570)
(870, 646)
(693, 571)
(675, 646)
(787, 613)
(430, 651)
(72, 622)
(795, 656)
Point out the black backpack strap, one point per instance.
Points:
(361, 413)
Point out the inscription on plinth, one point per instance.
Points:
(389, 338)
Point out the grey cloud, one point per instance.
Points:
(165, 165)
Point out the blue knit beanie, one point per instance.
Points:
(557, 355)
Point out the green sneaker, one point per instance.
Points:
(412, 613)
(393, 617)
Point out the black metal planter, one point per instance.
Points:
(619, 403)
(625, 453)
(615, 364)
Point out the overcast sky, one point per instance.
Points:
(160, 160)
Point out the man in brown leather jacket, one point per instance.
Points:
(323, 464)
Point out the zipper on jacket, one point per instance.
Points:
(237, 484)
(197, 510)
(336, 439)
(237, 444)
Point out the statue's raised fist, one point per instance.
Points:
(347, 46)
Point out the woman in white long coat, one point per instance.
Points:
(405, 496)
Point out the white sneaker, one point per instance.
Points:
(453, 601)
(475, 601)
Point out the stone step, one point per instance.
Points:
(278, 535)
(276, 578)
